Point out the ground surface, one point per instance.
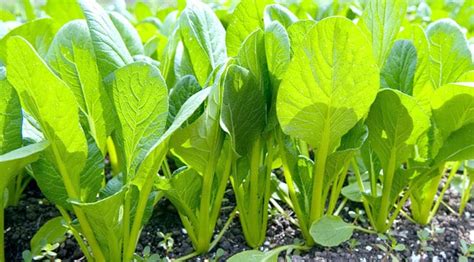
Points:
(21, 222)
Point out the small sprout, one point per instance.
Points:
(353, 243)
(48, 252)
(167, 243)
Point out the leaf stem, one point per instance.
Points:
(77, 236)
(454, 169)
(114, 163)
(303, 223)
(317, 203)
(224, 229)
(381, 224)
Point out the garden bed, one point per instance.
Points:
(443, 241)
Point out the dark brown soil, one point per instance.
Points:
(23, 221)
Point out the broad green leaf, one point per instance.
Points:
(297, 33)
(91, 177)
(399, 70)
(338, 161)
(453, 107)
(57, 112)
(56, 10)
(181, 92)
(247, 16)
(453, 113)
(182, 62)
(329, 85)
(422, 86)
(330, 231)
(52, 232)
(278, 13)
(196, 143)
(254, 256)
(449, 52)
(155, 155)
(458, 146)
(110, 50)
(105, 218)
(467, 77)
(252, 56)
(184, 190)
(381, 22)
(395, 124)
(39, 33)
(243, 108)
(71, 55)
(140, 97)
(419, 39)
(277, 49)
(203, 37)
(11, 117)
(128, 33)
(14, 161)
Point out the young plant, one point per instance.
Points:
(13, 156)
(328, 88)
(450, 107)
(197, 189)
(248, 117)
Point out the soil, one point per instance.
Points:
(447, 229)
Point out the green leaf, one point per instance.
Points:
(52, 232)
(11, 117)
(330, 231)
(181, 92)
(297, 33)
(128, 33)
(453, 117)
(329, 85)
(203, 37)
(254, 256)
(57, 113)
(277, 49)
(278, 13)
(422, 86)
(14, 161)
(453, 107)
(140, 97)
(381, 22)
(55, 9)
(91, 177)
(449, 52)
(39, 33)
(71, 55)
(399, 70)
(152, 160)
(243, 108)
(247, 16)
(395, 124)
(105, 218)
(195, 143)
(110, 50)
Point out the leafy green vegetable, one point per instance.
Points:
(110, 50)
(381, 22)
(141, 101)
(331, 231)
(203, 37)
(449, 52)
(247, 16)
(320, 104)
